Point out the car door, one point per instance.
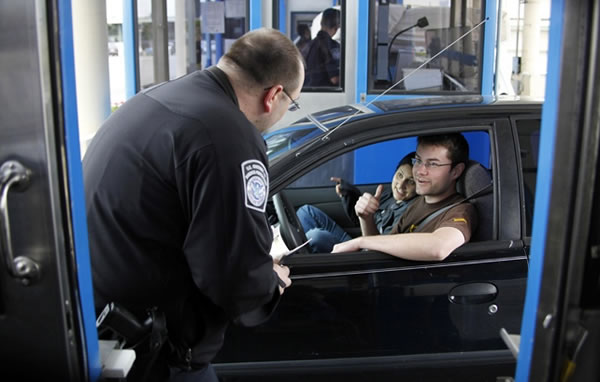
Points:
(367, 315)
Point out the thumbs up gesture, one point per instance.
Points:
(368, 204)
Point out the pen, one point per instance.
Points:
(281, 282)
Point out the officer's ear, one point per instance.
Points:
(270, 97)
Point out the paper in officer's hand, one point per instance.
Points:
(278, 249)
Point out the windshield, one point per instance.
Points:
(303, 130)
(286, 139)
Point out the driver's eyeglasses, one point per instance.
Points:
(428, 165)
(294, 105)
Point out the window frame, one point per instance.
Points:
(527, 225)
(371, 61)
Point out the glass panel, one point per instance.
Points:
(116, 54)
(198, 33)
(184, 37)
(317, 29)
(529, 142)
(145, 36)
(405, 34)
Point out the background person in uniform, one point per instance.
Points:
(377, 214)
(439, 162)
(303, 40)
(323, 56)
(176, 187)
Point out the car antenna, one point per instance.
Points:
(328, 133)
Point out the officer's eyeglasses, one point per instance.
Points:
(429, 165)
(294, 105)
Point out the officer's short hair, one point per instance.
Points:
(330, 18)
(456, 144)
(268, 57)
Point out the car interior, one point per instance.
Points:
(375, 164)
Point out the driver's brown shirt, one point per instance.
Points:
(462, 217)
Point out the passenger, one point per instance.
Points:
(377, 214)
(423, 233)
(176, 188)
(323, 56)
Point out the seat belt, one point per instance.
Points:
(485, 190)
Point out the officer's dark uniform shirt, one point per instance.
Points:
(322, 60)
(176, 187)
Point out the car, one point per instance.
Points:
(371, 316)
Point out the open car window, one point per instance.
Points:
(366, 168)
(376, 163)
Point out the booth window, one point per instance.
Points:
(317, 29)
(196, 35)
(405, 34)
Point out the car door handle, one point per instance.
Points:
(473, 293)
(13, 173)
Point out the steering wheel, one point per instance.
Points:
(290, 228)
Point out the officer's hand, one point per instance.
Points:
(368, 204)
(338, 182)
(283, 273)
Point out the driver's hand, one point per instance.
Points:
(347, 246)
(283, 273)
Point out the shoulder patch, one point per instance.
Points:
(256, 184)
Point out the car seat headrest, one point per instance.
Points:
(474, 178)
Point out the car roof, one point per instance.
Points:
(321, 124)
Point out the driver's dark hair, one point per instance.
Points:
(330, 18)
(406, 160)
(268, 57)
(455, 143)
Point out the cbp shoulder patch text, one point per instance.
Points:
(256, 184)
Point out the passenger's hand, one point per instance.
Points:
(368, 204)
(283, 273)
(347, 246)
(338, 185)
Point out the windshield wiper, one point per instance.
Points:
(317, 123)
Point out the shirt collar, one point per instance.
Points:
(221, 78)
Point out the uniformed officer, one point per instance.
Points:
(176, 185)
(323, 54)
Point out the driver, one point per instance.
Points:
(423, 233)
